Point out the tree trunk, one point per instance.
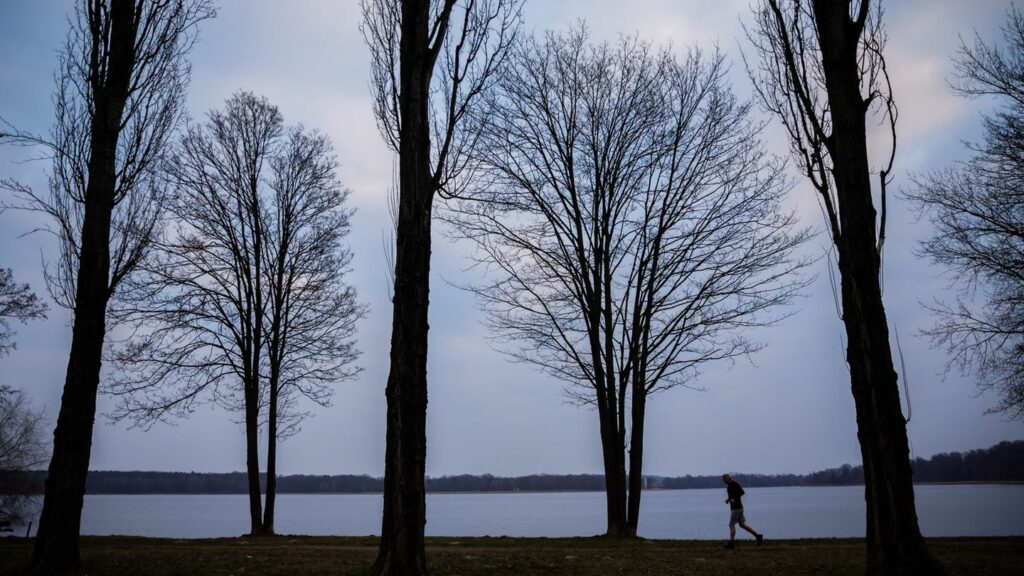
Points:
(402, 547)
(636, 462)
(254, 282)
(252, 458)
(275, 356)
(616, 395)
(402, 550)
(894, 542)
(614, 469)
(56, 546)
(619, 529)
(271, 496)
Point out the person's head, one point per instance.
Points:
(726, 478)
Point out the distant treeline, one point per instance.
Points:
(1003, 462)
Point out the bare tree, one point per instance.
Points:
(311, 321)
(121, 83)
(22, 448)
(822, 72)
(201, 293)
(976, 209)
(430, 60)
(17, 302)
(244, 304)
(632, 224)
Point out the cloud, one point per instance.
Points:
(789, 410)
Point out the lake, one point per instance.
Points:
(792, 512)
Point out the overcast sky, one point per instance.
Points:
(789, 410)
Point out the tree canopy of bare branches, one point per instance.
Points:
(430, 62)
(791, 85)
(244, 302)
(821, 72)
(632, 226)
(154, 96)
(17, 302)
(976, 209)
(120, 88)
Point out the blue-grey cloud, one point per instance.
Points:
(788, 410)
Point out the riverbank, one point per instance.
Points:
(308, 555)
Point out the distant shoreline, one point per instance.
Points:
(999, 464)
(465, 492)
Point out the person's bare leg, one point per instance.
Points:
(753, 532)
(732, 536)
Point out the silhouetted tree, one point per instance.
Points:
(430, 60)
(821, 72)
(22, 448)
(244, 304)
(311, 320)
(976, 209)
(121, 85)
(17, 302)
(201, 293)
(631, 221)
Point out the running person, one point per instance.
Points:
(735, 501)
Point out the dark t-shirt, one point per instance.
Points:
(736, 493)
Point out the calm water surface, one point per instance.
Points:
(944, 510)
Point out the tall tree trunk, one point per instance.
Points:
(402, 550)
(271, 496)
(254, 283)
(402, 547)
(614, 476)
(606, 392)
(275, 356)
(56, 545)
(636, 461)
(252, 458)
(617, 524)
(894, 542)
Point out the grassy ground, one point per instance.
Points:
(302, 555)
